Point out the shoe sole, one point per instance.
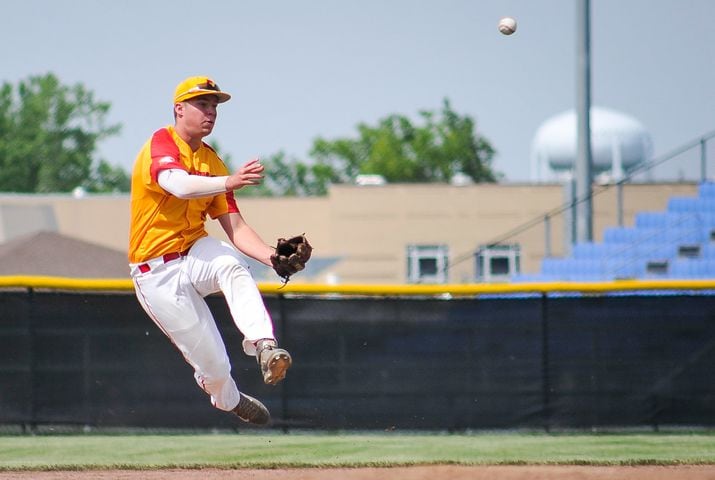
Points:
(254, 411)
(277, 368)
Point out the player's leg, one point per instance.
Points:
(182, 314)
(217, 266)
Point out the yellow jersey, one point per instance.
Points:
(160, 222)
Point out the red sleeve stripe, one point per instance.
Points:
(231, 200)
(163, 145)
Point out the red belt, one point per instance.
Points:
(166, 258)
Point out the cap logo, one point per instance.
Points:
(196, 86)
(209, 85)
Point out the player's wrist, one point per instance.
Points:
(232, 183)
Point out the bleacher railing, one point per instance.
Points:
(545, 220)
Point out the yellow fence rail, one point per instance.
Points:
(455, 290)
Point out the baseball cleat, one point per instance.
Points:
(277, 365)
(274, 361)
(251, 410)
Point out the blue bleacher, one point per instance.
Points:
(594, 250)
(691, 205)
(660, 220)
(676, 243)
(698, 268)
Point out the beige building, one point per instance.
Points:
(386, 234)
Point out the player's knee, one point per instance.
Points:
(217, 371)
(232, 267)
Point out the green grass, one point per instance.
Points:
(77, 452)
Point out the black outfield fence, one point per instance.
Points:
(545, 360)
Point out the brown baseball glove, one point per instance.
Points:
(291, 256)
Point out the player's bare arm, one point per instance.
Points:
(245, 238)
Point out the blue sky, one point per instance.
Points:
(301, 69)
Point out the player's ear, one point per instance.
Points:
(178, 109)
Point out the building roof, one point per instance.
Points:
(54, 254)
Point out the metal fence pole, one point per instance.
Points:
(545, 371)
(547, 235)
(89, 418)
(32, 420)
(282, 311)
(619, 196)
(703, 160)
(583, 166)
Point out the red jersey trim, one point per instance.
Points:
(231, 201)
(163, 145)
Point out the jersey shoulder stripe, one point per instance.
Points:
(163, 145)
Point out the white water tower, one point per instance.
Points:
(618, 143)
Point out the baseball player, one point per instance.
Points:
(177, 181)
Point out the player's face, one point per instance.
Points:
(198, 115)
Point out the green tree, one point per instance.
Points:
(443, 145)
(48, 137)
(224, 156)
(290, 177)
(107, 178)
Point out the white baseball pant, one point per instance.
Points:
(172, 293)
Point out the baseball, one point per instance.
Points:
(507, 25)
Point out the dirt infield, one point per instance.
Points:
(693, 472)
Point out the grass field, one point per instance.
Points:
(251, 450)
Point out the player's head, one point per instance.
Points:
(195, 102)
(193, 87)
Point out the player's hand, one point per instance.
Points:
(251, 173)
